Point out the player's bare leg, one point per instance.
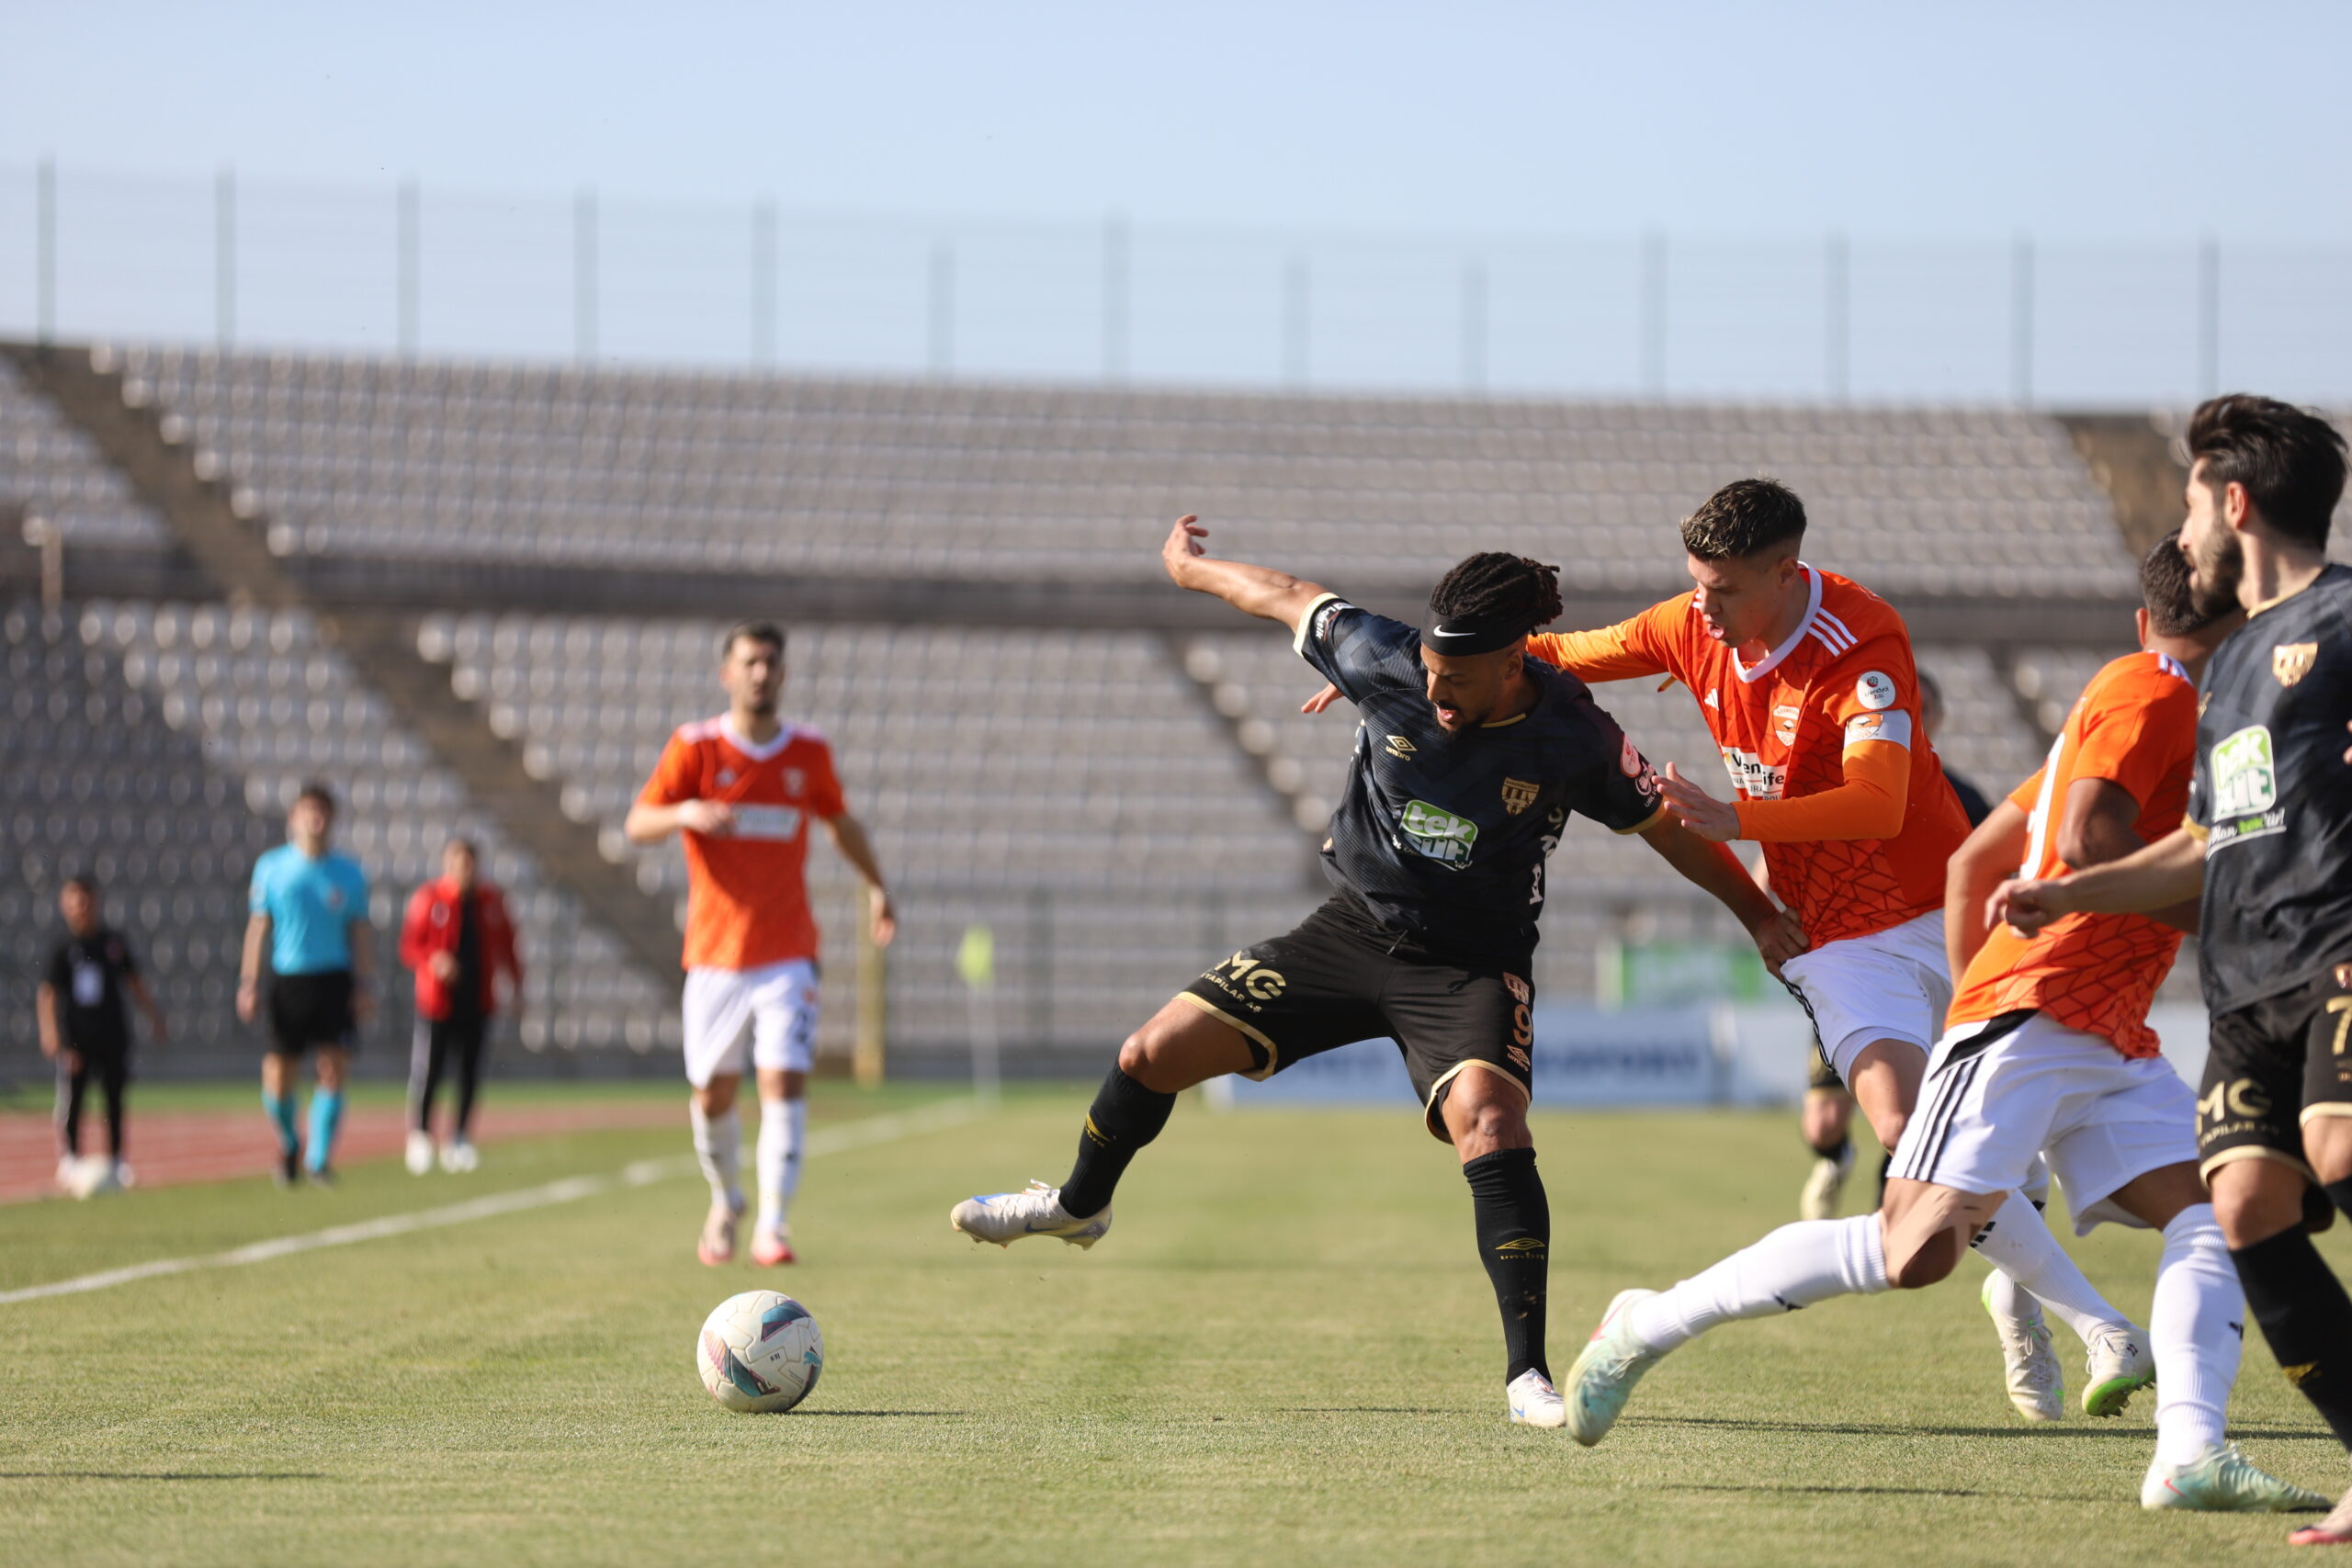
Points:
(718, 1145)
(784, 1125)
(1484, 1115)
(2263, 1207)
(1182, 1046)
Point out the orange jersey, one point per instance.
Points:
(1835, 707)
(747, 892)
(2134, 726)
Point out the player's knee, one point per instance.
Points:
(1149, 1057)
(2248, 1212)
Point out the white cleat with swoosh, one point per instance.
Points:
(1006, 1217)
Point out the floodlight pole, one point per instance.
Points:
(405, 227)
(45, 252)
(763, 225)
(1294, 323)
(1653, 286)
(1116, 280)
(1836, 318)
(943, 309)
(224, 258)
(583, 277)
(2209, 317)
(2022, 321)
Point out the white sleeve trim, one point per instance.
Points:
(1298, 632)
(1894, 725)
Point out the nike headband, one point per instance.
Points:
(1464, 636)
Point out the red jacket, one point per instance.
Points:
(432, 927)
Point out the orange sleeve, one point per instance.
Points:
(824, 784)
(2133, 735)
(1642, 646)
(2027, 796)
(1868, 805)
(673, 775)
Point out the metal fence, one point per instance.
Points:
(395, 268)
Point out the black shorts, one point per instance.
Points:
(310, 1010)
(1343, 977)
(2275, 1064)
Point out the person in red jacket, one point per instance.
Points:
(458, 938)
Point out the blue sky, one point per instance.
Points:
(2150, 121)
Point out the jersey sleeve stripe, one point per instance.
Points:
(1305, 619)
(1655, 819)
(1841, 627)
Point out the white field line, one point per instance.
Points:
(862, 1134)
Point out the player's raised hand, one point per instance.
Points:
(2023, 905)
(885, 917)
(1320, 700)
(712, 819)
(1184, 543)
(1698, 810)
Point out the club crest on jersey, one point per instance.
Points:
(2290, 661)
(1519, 795)
(1399, 747)
(1875, 690)
(1785, 724)
(726, 776)
(793, 781)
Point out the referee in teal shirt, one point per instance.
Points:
(308, 912)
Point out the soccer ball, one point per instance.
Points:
(760, 1352)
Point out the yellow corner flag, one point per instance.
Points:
(975, 958)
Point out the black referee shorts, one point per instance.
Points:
(310, 1010)
(1341, 977)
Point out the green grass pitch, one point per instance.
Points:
(1284, 1353)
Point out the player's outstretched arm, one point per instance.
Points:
(2168, 872)
(849, 836)
(1258, 591)
(1982, 862)
(249, 968)
(1713, 867)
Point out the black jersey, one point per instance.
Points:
(2273, 796)
(1446, 835)
(87, 973)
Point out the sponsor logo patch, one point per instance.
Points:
(1752, 776)
(1247, 979)
(1519, 1058)
(1440, 835)
(1875, 690)
(2290, 661)
(1519, 795)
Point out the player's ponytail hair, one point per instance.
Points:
(1497, 587)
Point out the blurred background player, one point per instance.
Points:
(1827, 1119)
(2266, 845)
(1437, 853)
(458, 938)
(308, 920)
(85, 1027)
(1806, 682)
(742, 788)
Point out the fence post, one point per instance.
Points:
(943, 309)
(2209, 317)
(583, 277)
(1653, 313)
(1115, 283)
(404, 270)
(1294, 323)
(763, 283)
(1474, 326)
(1837, 317)
(2022, 321)
(45, 252)
(224, 258)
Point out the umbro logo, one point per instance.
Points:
(1399, 747)
(1522, 1244)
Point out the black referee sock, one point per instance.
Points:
(1515, 1244)
(2342, 1192)
(1837, 1151)
(1124, 1117)
(2307, 1318)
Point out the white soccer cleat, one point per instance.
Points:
(717, 1244)
(2036, 1385)
(1824, 1185)
(1005, 1218)
(458, 1157)
(68, 1167)
(2222, 1480)
(1534, 1402)
(772, 1246)
(1604, 1375)
(418, 1156)
(2119, 1366)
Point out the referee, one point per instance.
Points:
(308, 915)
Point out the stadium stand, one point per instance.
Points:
(54, 471)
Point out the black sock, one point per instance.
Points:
(1515, 1244)
(2307, 1318)
(1124, 1117)
(1838, 1150)
(2342, 1192)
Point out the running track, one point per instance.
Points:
(169, 1148)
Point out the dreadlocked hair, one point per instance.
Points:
(1494, 585)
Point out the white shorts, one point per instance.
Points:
(770, 1010)
(1890, 985)
(2102, 1118)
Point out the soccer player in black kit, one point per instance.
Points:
(1468, 762)
(85, 1027)
(2268, 844)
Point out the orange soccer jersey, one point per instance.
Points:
(2134, 726)
(1834, 709)
(747, 892)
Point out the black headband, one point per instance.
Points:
(1462, 634)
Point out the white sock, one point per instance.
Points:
(1795, 1267)
(782, 1123)
(719, 1145)
(2018, 1242)
(2006, 1298)
(2196, 1331)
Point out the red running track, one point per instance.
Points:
(169, 1148)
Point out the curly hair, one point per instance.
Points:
(1496, 586)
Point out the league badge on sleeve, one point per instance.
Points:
(1875, 690)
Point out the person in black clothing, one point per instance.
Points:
(1470, 758)
(86, 1025)
(2266, 849)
